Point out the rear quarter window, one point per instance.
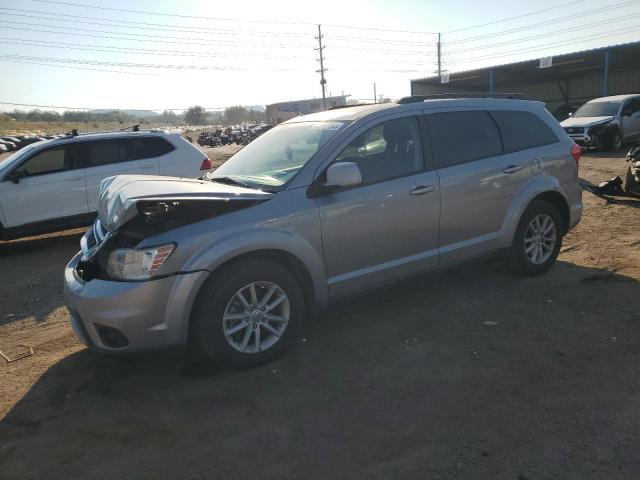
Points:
(461, 137)
(148, 147)
(522, 130)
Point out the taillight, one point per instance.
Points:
(575, 152)
(206, 164)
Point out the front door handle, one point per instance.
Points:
(422, 189)
(513, 169)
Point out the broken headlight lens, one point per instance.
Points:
(129, 264)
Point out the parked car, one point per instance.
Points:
(53, 184)
(318, 207)
(11, 142)
(605, 123)
(8, 146)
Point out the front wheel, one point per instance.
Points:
(538, 239)
(248, 314)
(615, 142)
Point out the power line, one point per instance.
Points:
(183, 40)
(94, 108)
(162, 29)
(132, 50)
(547, 46)
(555, 7)
(549, 34)
(131, 64)
(84, 68)
(190, 28)
(573, 16)
(201, 17)
(153, 37)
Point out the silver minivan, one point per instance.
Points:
(319, 207)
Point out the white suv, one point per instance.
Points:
(53, 184)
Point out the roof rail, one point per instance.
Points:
(338, 107)
(444, 96)
(134, 128)
(72, 133)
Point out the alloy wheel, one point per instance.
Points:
(540, 239)
(256, 317)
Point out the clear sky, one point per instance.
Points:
(89, 53)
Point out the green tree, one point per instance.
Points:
(195, 115)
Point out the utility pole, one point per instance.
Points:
(439, 58)
(375, 95)
(323, 81)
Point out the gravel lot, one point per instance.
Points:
(469, 373)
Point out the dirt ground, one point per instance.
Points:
(409, 381)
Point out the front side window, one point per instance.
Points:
(276, 156)
(388, 150)
(461, 137)
(51, 160)
(522, 130)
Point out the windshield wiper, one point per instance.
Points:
(230, 181)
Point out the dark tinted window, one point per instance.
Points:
(522, 130)
(460, 137)
(147, 147)
(388, 150)
(104, 152)
(51, 160)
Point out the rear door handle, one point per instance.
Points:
(422, 189)
(513, 169)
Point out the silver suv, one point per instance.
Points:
(319, 207)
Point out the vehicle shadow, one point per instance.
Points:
(469, 373)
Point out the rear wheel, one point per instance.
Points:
(248, 314)
(537, 240)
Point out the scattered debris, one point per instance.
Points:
(304, 340)
(23, 352)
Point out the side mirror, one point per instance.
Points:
(343, 174)
(16, 175)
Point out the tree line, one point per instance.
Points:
(195, 115)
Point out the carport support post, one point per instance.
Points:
(605, 83)
(491, 82)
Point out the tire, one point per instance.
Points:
(525, 241)
(226, 341)
(631, 185)
(614, 143)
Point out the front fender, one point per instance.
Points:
(243, 241)
(536, 185)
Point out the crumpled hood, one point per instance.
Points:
(585, 121)
(118, 195)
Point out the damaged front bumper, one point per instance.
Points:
(130, 316)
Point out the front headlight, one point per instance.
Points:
(129, 264)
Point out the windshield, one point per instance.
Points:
(273, 158)
(597, 109)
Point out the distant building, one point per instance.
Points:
(280, 112)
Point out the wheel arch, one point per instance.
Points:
(282, 257)
(540, 187)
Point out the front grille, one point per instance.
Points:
(574, 130)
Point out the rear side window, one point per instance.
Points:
(104, 152)
(147, 147)
(461, 137)
(522, 130)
